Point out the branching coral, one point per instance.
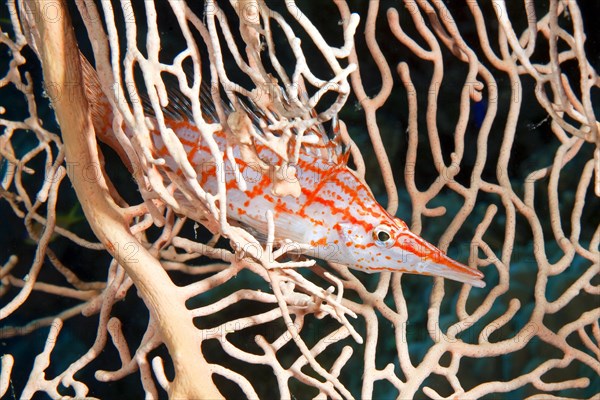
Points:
(317, 328)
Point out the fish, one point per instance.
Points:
(63, 220)
(333, 216)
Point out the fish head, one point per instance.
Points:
(345, 224)
(381, 242)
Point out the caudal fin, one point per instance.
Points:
(100, 109)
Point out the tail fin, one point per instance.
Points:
(100, 109)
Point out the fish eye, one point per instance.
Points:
(383, 236)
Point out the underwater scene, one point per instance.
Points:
(480, 139)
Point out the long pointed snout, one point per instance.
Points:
(421, 257)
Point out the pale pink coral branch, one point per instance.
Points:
(477, 328)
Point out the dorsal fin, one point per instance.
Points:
(180, 108)
(329, 146)
(344, 156)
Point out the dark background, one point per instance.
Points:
(534, 148)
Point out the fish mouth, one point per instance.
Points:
(456, 272)
(424, 258)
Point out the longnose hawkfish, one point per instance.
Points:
(334, 216)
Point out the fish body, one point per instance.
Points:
(334, 216)
(335, 213)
